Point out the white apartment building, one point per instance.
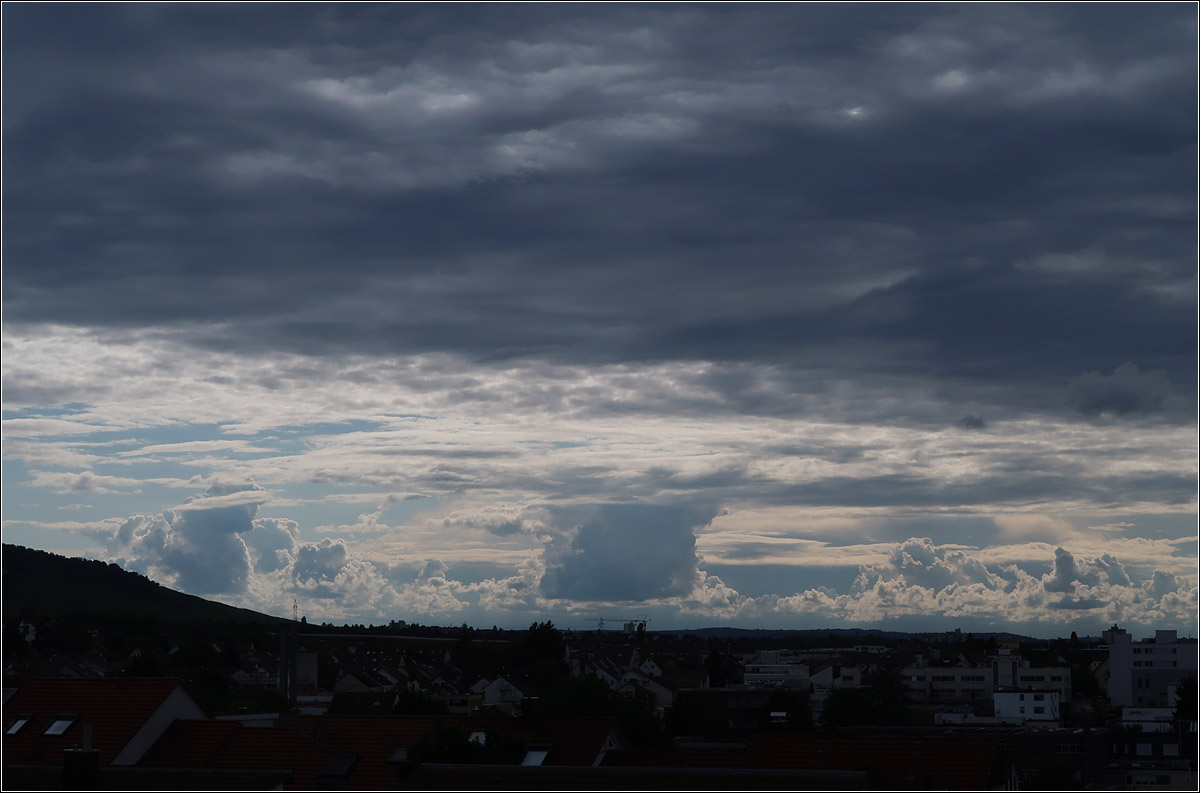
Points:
(773, 668)
(778, 668)
(1145, 673)
(1017, 707)
(979, 682)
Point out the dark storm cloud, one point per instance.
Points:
(957, 194)
(1126, 390)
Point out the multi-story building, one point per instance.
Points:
(773, 668)
(1022, 706)
(979, 682)
(1145, 673)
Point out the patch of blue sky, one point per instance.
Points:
(1167, 525)
(68, 409)
(786, 579)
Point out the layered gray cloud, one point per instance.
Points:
(969, 193)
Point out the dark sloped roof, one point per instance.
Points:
(136, 777)
(116, 708)
(434, 776)
(897, 763)
(574, 742)
(190, 742)
(904, 762)
(312, 748)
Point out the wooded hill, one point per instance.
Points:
(46, 584)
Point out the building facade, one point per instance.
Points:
(1145, 673)
(980, 682)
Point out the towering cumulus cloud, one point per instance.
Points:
(622, 552)
(197, 545)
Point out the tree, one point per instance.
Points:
(1185, 705)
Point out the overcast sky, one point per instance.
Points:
(757, 315)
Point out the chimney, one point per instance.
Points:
(529, 713)
(81, 768)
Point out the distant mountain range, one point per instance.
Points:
(49, 585)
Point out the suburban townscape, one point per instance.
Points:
(114, 702)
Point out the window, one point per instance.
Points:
(19, 724)
(1055, 678)
(536, 754)
(1022, 710)
(1171, 749)
(60, 725)
(339, 764)
(1039, 697)
(1039, 709)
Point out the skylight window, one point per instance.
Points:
(536, 755)
(18, 724)
(340, 764)
(60, 725)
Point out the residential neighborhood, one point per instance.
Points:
(406, 706)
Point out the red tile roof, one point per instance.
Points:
(306, 744)
(116, 708)
(190, 742)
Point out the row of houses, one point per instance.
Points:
(148, 733)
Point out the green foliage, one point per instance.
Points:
(1084, 682)
(881, 703)
(849, 707)
(797, 706)
(590, 696)
(723, 669)
(544, 641)
(1185, 706)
